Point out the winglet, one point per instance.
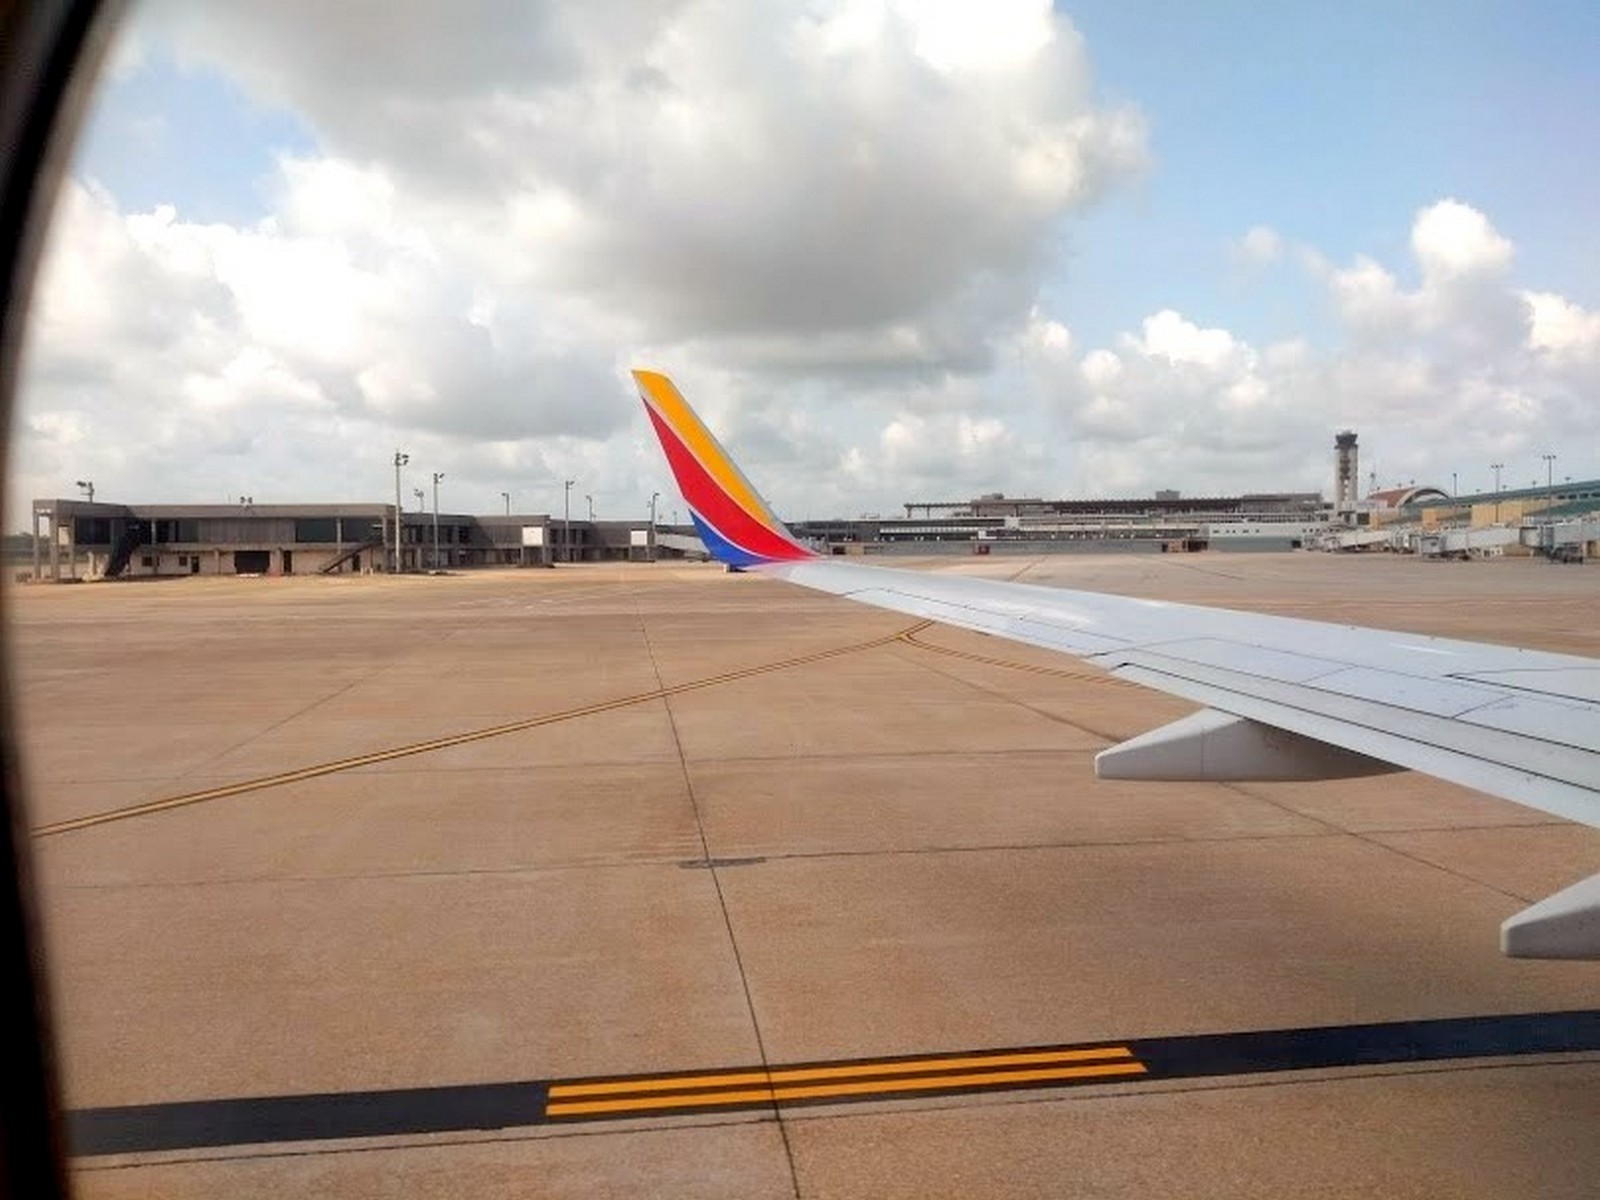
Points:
(734, 521)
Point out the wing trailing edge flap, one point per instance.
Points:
(1565, 925)
(1221, 747)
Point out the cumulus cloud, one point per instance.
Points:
(211, 358)
(1562, 329)
(1260, 246)
(946, 456)
(1452, 239)
(1370, 301)
(1463, 364)
(833, 222)
(1463, 297)
(509, 203)
(885, 174)
(1169, 337)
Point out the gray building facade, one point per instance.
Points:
(88, 539)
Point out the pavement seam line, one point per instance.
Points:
(1368, 837)
(722, 900)
(241, 743)
(910, 638)
(974, 685)
(318, 770)
(1373, 838)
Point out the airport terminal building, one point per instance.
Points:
(78, 538)
(81, 538)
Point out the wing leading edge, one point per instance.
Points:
(1284, 698)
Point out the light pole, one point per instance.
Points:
(506, 496)
(400, 459)
(1497, 468)
(1549, 483)
(650, 543)
(590, 499)
(566, 520)
(88, 486)
(421, 508)
(437, 475)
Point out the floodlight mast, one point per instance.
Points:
(437, 475)
(401, 458)
(566, 521)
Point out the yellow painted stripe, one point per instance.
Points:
(611, 1087)
(937, 1082)
(823, 1091)
(318, 770)
(587, 1108)
(675, 411)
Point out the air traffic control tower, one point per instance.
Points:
(1346, 476)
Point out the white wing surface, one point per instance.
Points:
(1284, 698)
(1279, 692)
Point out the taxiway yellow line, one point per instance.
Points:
(318, 770)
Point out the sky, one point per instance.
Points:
(893, 250)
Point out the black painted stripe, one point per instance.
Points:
(194, 1123)
(1368, 1045)
(268, 1119)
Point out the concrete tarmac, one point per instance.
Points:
(336, 836)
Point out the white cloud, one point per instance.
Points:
(1561, 328)
(755, 172)
(1102, 369)
(1463, 297)
(1462, 367)
(1451, 239)
(953, 35)
(1167, 335)
(1370, 302)
(510, 203)
(230, 357)
(1260, 246)
(946, 455)
(833, 223)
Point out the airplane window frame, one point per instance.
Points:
(50, 55)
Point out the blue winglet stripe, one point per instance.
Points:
(721, 549)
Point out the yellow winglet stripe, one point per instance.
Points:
(675, 411)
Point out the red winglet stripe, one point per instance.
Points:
(714, 505)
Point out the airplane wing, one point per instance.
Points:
(1283, 698)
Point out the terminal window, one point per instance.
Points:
(316, 529)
